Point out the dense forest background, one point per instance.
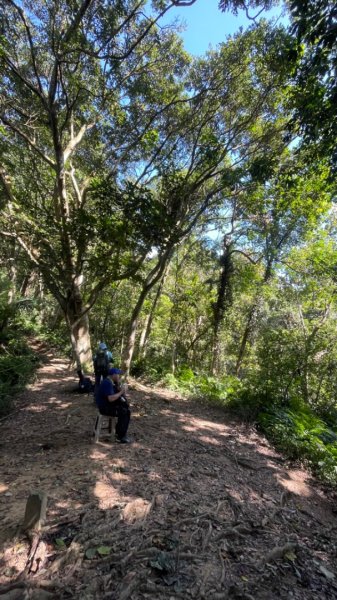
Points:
(180, 209)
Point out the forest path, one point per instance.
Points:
(197, 507)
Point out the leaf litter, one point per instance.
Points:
(199, 506)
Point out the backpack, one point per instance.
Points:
(102, 361)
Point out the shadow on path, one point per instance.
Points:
(197, 507)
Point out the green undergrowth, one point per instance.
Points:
(203, 387)
(294, 428)
(300, 434)
(18, 363)
(17, 368)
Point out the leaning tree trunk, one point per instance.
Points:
(132, 331)
(223, 302)
(149, 320)
(153, 277)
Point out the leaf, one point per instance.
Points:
(328, 574)
(60, 543)
(90, 553)
(156, 565)
(104, 550)
(163, 562)
(290, 556)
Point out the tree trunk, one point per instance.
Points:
(152, 279)
(131, 336)
(143, 335)
(173, 358)
(25, 284)
(122, 345)
(148, 324)
(251, 321)
(78, 323)
(246, 335)
(305, 380)
(12, 273)
(57, 318)
(223, 302)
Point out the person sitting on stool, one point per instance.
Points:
(111, 402)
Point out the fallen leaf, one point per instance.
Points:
(104, 550)
(290, 556)
(328, 574)
(90, 553)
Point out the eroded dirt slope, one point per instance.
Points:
(197, 507)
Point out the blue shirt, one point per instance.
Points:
(106, 388)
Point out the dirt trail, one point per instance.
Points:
(197, 507)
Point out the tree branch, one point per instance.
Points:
(76, 140)
(31, 45)
(30, 142)
(254, 262)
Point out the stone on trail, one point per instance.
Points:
(35, 512)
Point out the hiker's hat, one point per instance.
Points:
(114, 371)
(102, 346)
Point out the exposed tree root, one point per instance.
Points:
(277, 552)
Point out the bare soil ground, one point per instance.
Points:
(199, 506)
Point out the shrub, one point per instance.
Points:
(15, 372)
(203, 387)
(300, 434)
(17, 361)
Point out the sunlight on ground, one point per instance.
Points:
(65, 504)
(236, 495)
(106, 495)
(256, 498)
(3, 488)
(171, 432)
(295, 483)
(210, 440)
(36, 409)
(96, 454)
(41, 385)
(119, 477)
(196, 424)
(59, 403)
(53, 401)
(136, 510)
(13, 562)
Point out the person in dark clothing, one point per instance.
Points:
(85, 385)
(102, 362)
(111, 402)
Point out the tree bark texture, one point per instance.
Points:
(223, 302)
(78, 324)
